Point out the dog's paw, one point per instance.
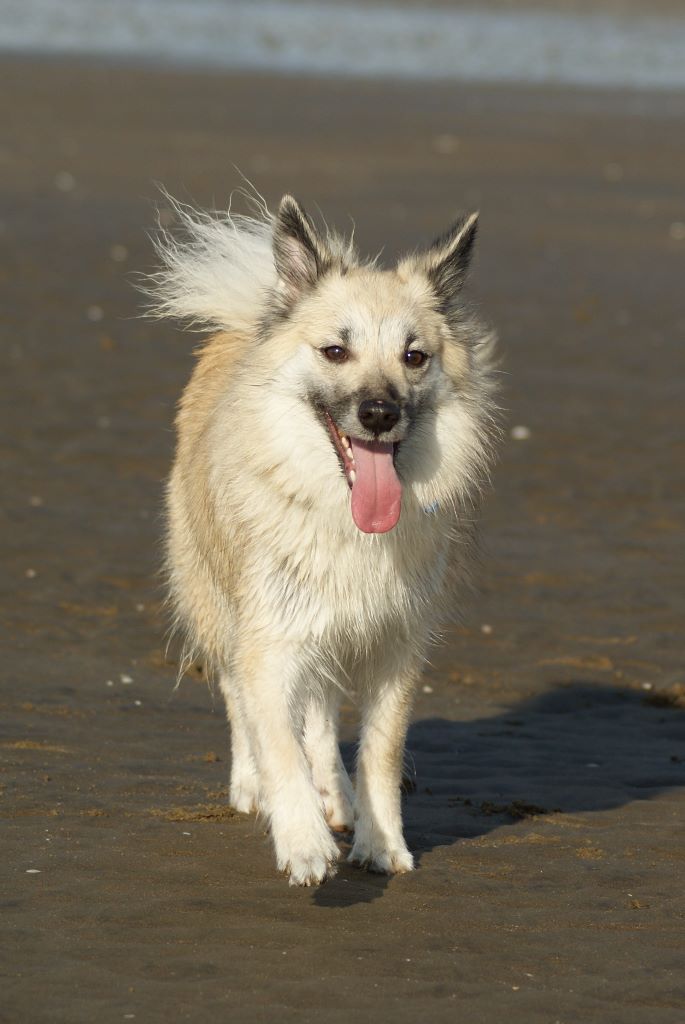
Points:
(383, 859)
(310, 867)
(312, 870)
(338, 811)
(305, 849)
(243, 794)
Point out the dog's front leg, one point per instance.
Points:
(272, 680)
(379, 843)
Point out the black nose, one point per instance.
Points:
(378, 416)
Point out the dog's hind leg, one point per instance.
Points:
(244, 780)
(378, 842)
(320, 736)
(272, 680)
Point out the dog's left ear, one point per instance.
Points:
(300, 255)
(446, 262)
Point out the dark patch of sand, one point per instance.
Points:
(547, 753)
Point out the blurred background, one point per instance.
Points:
(562, 689)
(611, 42)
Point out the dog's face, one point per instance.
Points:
(377, 351)
(376, 345)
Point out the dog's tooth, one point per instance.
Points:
(345, 440)
(349, 453)
(351, 475)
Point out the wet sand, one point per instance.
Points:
(548, 745)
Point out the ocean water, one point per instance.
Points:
(294, 36)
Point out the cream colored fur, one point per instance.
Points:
(270, 579)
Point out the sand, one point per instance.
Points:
(547, 754)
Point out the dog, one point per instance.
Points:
(333, 444)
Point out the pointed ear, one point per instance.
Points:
(300, 255)
(446, 262)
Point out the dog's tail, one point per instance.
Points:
(217, 269)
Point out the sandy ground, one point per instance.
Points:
(548, 744)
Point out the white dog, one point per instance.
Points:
(332, 444)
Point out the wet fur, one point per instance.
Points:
(271, 581)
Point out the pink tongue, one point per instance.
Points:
(377, 491)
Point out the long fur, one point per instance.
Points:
(217, 268)
(272, 582)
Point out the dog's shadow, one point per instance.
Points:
(582, 746)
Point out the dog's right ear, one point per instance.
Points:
(300, 256)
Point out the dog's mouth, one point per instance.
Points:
(369, 467)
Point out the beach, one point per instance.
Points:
(546, 759)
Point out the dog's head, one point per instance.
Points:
(378, 352)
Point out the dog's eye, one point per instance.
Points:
(335, 353)
(414, 358)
